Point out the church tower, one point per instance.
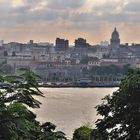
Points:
(115, 40)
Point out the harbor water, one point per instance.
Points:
(70, 108)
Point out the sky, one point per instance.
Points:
(44, 20)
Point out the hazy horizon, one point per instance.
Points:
(44, 20)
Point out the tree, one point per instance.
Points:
(96, 135)
(84, 60)
(17, 122)
(6, 68)
(112, 69)
(121, 111)
(82, 133)
(49, 134)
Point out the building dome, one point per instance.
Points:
(115, 40)
(115, 34)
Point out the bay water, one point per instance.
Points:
(70, 108)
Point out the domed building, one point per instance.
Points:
(115, 40)
(114, 45)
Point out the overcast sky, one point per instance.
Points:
(44, 20)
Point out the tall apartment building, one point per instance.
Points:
(81, 43)
(61, 44)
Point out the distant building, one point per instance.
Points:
(104, 43)
(93, 61)
(102, 51)
(1, 42)
(31, 42)
(114, 44)
(115, 40)
(47, 44)
(2, 55)
(81, 43)
(61, 44)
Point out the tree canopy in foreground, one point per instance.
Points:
(17, 122)
(121, 111)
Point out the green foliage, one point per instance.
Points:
(49, 134)
(17, 122)
(105, 70)
(84, 60)
(96, 135)
(82, 133)
(6, 68)
(121, 111)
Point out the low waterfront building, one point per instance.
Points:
(94, 61)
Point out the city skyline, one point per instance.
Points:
(45, 20)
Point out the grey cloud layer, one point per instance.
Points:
(63, 10)
(65, 4)
(66, 11)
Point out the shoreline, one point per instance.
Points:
(98, 86)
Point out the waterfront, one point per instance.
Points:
(69, 108)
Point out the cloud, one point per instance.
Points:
(109, 12)
(91, 17)
(72, 10)
(65, 4)
(132, 6)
